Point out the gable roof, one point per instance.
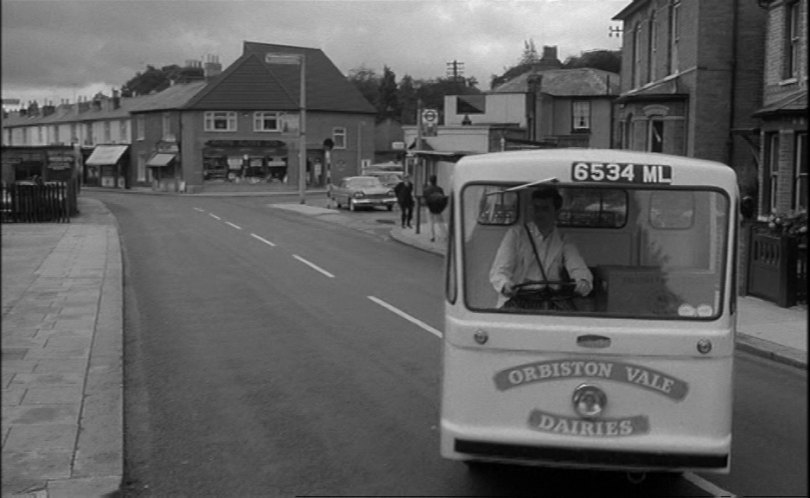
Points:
(251, 83)
(173, 97)
(576, 82)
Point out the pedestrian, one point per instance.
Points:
(404, 193)
(436, 202)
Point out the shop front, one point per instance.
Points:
(165, 167)
(107, 166)
(245, 161)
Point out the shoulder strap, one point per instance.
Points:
(534, 249)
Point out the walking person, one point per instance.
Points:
(404, 193)
(436, 202)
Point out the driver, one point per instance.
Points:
(548, 259)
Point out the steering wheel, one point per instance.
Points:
(536, 294)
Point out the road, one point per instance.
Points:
(270, 353)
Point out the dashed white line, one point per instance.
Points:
(235, 226)
(263, 240)
(708, 486)
(212, 215)
(201, 210)
(313, 266)
(406, 316)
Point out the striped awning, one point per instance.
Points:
(160, 160)
(106, 154)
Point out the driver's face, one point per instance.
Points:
(545, 215)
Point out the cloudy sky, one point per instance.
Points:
(63, 49)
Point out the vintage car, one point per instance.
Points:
(387, 178)
(356, 191)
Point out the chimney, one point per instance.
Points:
(48, 109)
(33, 108)
(549, 52)
(116, 99)
(212, 67)
(84, 105)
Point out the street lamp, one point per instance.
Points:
(299, 59)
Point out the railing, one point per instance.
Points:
(37, 203)
(777, 268)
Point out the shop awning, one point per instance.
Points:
(106, 154)
(160, 160)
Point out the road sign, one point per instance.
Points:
(430, 116)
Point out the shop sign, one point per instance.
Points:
(245, 143)
(572, 426)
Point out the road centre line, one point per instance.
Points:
(199, 210)
(212, 215)
(406, 316)
(708, 486)
(263, 240)
(313, 266)
(235, 226)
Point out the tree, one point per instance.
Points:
(152, 79)
(367, 82)
(606, 60)
(529, 53)
(388, 105)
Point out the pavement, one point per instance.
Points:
(62, 347)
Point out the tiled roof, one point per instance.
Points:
(578, 82)
(174, 97)
(251, 83)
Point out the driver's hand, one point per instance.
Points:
(583, 287)
(509, 290)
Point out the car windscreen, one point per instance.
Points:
(650, 253)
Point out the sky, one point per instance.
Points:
(65, 49)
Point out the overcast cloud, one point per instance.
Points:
(63, 49)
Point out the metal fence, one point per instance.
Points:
(26, 202)
(777, 268)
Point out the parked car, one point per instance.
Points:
(387, 178)
(356, 191)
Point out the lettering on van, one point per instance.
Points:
(621, 173)
(646, 378)
(571, 426)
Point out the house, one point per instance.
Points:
(545, 106)
(691, 80)
(246, 125)
(782, 179)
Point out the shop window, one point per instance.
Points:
(581, 115)
(266, 121)
(339, 137)
(220, 121)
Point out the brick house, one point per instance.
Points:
(782, 178)
(691, 80)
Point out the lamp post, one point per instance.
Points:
(300, 60)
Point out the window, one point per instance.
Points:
(166, 125)
(88, 135)
(140, 127)
(800, 161)
(220, 121)
(792, 26)
(266, 121)
(593, 208)
(339, 137)
(652, 51)
(40, 139)
(107, 132)
(123, 130)
(674, 35)
(56, 134)
(74, 135)
(637, 56)
(655, 134)
(771, 171)
(581, 115)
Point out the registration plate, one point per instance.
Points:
(621, 173)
